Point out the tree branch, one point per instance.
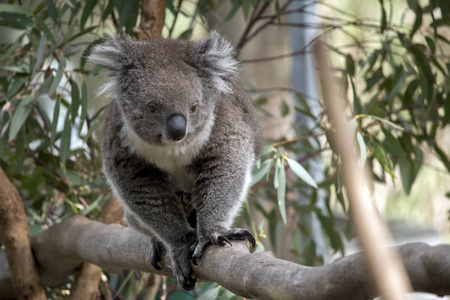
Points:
(15, 235)
(62, 248)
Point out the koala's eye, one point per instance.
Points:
(193, 108)
(152, 109)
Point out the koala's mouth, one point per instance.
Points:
(164, 139)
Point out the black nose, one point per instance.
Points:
(176, 127)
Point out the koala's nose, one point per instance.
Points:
(176, 127)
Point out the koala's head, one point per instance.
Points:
(167, 90)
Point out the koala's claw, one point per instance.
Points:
(200, 245)
(182, 270)
(224, 240)
(156, 252)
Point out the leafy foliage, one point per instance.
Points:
(397, 82)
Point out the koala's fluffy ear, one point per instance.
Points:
(111, 54)
(218, 61)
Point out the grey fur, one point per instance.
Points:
(207, 169)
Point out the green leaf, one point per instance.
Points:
(392, 144)
(40, 52)
(418, 22)
(75, 103)
(362, 150)
(350, 65)
(245, 8)
(284, 109)
(55, 121)
(211, 293)
(281, 190)
(46, 31)
(406, 174)
(431, 44)
(79, 34)
(383, 24)
(64, 149)
(267, 149)
(17, 21)
(58, 76)
(443, 156)
(16, 84)
(412, 4)
(278, 11)
(94, 126)
(14, 8)
(380, 155)
(234, 9)
(84, 104)
(52, 11)
(396, 126)
(20, 115)
(357, 107)
(87, 11)
(301, 172)
(277, 173)
(262, 171)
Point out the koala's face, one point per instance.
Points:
(167, 90)
(165, 101)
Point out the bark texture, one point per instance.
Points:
(62, 248)
(15, 235)
(152, 20)
(88, 277)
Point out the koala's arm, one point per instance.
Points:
(144, 189)
(224, 177)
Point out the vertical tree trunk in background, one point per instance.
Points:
(152, 20)
(384, 263)
(15, 234)
(88, 278)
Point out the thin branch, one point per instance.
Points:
(257, 12)
(299, 52)
(297, 139)
(384, 263)
(280, 89)
(248, 36)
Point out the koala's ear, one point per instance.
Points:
(111, 54)
(218, 61)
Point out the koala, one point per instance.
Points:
(180, 139)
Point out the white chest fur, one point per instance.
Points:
(173, 158)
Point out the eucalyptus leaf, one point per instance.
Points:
(20, 115)
(301, 172)
(262, 171)
(64, 150)
(58, 76)
(362, 150)
(281, 191)
(267, 149)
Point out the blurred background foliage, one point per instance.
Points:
(392, 60)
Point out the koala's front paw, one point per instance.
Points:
(220, 239)
(181, 268)
(156, 252)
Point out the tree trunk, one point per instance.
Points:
(15, 234)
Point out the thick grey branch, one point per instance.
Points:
(63, 247)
